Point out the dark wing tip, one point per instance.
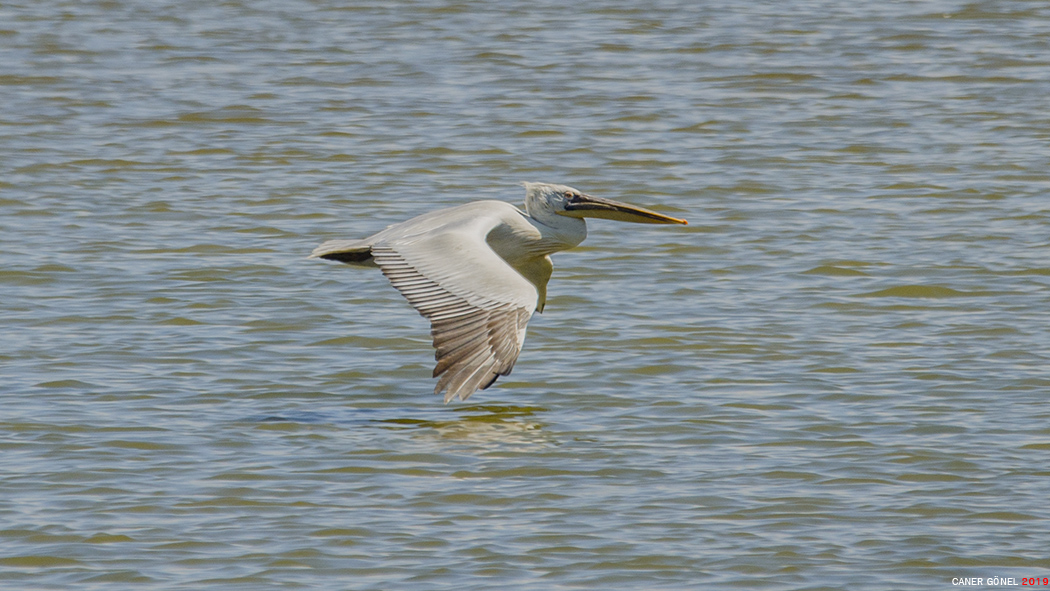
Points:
(495, 377)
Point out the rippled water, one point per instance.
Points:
(835, 377)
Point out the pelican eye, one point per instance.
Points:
(572, 197)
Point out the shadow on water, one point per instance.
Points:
(477, 422)
(487, 422)
(479, 413)
(484, 413)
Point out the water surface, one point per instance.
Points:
(835, 377)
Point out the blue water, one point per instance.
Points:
(834, 378)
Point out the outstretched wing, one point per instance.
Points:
(477, 304)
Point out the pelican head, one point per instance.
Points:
(566, 201)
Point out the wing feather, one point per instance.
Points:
(477, 304)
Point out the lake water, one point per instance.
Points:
(836, 377)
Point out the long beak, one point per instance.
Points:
(588, 206)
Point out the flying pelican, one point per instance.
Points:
(478, 271)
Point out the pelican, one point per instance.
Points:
(478, 271)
